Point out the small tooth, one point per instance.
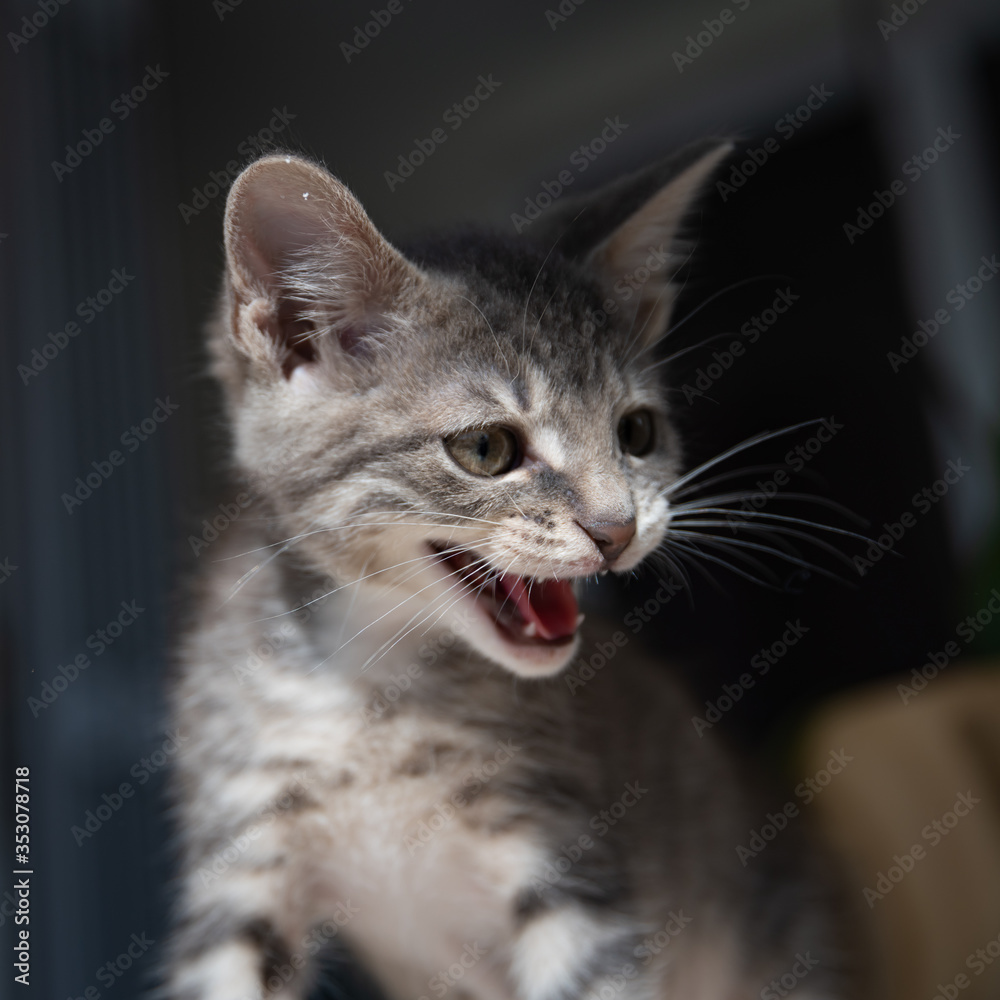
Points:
(530, 629)
(580, 620)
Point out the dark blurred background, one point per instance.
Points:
(829, 100)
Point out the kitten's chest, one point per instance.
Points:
(423, 845)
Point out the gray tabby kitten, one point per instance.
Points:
(391, 746)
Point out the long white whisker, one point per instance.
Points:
(722, 291)
(783, 518)
(770, 529)
(495, 338)
(722, 476)
(371, 624)
(695, 551)
(734, 450)
(407, 628)
(698, 503)
(428, 556)
(721, 541)
(687, 350)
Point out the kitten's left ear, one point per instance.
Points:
(310, 276)
(628, 231)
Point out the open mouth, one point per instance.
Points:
(526, 610)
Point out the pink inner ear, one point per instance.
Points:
(283, 223)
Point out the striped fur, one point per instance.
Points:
(374, 767)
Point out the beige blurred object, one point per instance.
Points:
(935, 931)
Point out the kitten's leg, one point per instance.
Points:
(244, 916)
(228, 949)
(567, 951)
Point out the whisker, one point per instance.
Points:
(721, 541)
(785, 518)
(496, 340)
(695, 551)
(524, 319)
(736, 449)
(373, 524)
(746, 470)
(405, 629)
(686, 350)
(772, 529)
(361, 579)
(750, 560)
(721, 498)
(676, 569)
(371, 624)
(722, 291)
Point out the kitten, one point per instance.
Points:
(393, 746)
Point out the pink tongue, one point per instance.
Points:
(551, 605)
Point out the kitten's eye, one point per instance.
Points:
(488, 452)
(635, 433)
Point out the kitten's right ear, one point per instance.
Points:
(309, 273)
(619, 229)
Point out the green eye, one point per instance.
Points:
(488, 452)
(635, 433)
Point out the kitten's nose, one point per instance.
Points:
(610, 537)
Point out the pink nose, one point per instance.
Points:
(611, 537)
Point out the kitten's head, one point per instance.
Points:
(461, 432)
